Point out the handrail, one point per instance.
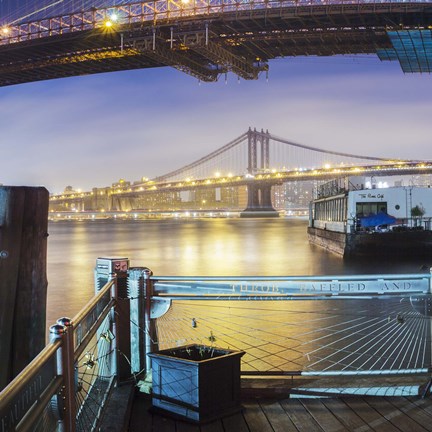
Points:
(27, 383)
(290, 278)
(83, 313)
(290, 288)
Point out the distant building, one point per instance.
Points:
(121, 184)
(292, 195)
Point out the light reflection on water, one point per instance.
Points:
(214, 247)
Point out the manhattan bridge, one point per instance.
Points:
(46, 39)
(243, 175)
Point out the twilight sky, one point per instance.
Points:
(93, 130)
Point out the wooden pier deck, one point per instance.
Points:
(360, 414)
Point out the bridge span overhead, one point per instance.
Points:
(205, 38)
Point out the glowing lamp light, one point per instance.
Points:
(114, 17)
(185, 1)
(108, 23)
(5, 30)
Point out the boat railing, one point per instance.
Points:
(405, 224)
(354, 328)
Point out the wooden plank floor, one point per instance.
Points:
(360, 414)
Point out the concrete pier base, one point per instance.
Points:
(259, 213)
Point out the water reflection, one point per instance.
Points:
(255, 247)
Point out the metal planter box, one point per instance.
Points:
(196, 382)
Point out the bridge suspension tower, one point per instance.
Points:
(258, 193)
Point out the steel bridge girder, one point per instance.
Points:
(156, 49)
(220, 55)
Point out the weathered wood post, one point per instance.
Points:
(23, 280)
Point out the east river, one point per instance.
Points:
(190, 247)
(286, 335)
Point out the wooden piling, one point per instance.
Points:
(23, 280)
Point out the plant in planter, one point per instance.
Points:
(417, 213)
(196, 382)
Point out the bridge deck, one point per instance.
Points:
(302, 414)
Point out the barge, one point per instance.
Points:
(352, 220)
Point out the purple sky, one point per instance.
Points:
(91, 131)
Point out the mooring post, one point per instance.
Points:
(23, 281)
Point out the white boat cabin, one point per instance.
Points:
(372, 210)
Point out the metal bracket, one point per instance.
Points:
(159, 307)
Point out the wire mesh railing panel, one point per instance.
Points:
(95, 373)
(94, 358)
(86, 321)
(48, 421)
(382, 333)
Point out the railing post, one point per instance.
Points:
(122, 328)
(430, 281)
(68, 364)
(65, 367)
(56, 332)
(114, 295)
(149, 324)
(137, 298)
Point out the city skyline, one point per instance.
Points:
(91, 131)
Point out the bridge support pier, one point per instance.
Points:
(259, 202)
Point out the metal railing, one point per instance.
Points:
(331, 326)
(160, 11)
(368, 326)
(65, 386)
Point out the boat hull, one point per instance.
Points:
(400, 244)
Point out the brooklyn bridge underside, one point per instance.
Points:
(208, 45)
